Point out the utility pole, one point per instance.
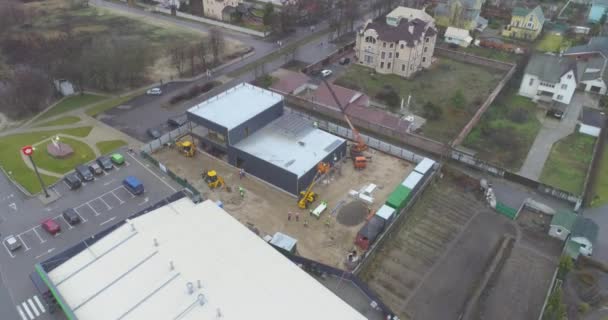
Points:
(29, 151)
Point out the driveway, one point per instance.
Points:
(600, 216)
(552, 131)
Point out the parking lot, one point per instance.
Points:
(98, 203)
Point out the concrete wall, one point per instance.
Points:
(254, 124)
(339, 152)
(469, 58)
(266, 171)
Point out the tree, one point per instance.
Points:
(604, 17)
(389, 96)
(202, 51)
(5, 71)
(27, 92)
(12, 13)
(178, 56)
(351, 13)
(431, 111)
(217, 44)
(565, 265)
(458, 100)
(555, 309)
(268, 14)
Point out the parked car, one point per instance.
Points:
(12, 243)
(84, 173)
(117, 159)
(344, 61)
(153, 133)
(326, 73)
(50, 226)
(105, 163)
(71, 216)
(133, 185)
(558, 114)
(154, 92)
(72, 180)
(95, 168)
(177, 121)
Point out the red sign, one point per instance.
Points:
(27, 150)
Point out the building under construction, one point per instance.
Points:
(249, 124)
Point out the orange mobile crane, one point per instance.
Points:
(356, 149)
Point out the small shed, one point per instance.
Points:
(370, 232)
(385, 212)
(460, 37)
(584, 233)
(562, 224)
(284, 243)
(424, 166)
(413, 180)
(591, 122)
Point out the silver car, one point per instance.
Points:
(12, 243)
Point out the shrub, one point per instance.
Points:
(389, 96)
(519, 115)
(193, 92)
(583, 307)
(565, 265)
(431, 111)
(458, 100)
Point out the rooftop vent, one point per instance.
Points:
(302, 143)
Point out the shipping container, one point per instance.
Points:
(385, 212)
(398, 199)
(413, 180)
(424, 166)
(370, 232)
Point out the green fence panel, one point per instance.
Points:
(506, 211)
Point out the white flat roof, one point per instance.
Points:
(292, 143)
(236, 105)
(126, 275)
(424, 166)
(412, 180)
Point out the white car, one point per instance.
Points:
(154, 92)
(12, 243)
(326, 73)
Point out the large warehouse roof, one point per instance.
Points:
(150, 268)
(292, 143)
(236, 105)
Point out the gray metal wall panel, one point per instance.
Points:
(264, 170)
(207, 124)
(306, 179)
(254, 124)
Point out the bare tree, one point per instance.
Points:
(27, 92)
(217, 44)
(202, 51)
(178, 56)
(12, 13)
(351, 13)
(192, 50)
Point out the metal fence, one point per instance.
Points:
(195, 195)
(370, 141)
(168, 138)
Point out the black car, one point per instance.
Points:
(344, 61)
(71, 216)
(177, 121)
(105, 163)
(72, 181)
(84, 173)
(154, 133)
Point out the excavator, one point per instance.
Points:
(356, 149)
(213, 179)
(308, 196)
(186, 148)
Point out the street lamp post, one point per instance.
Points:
(29, 151)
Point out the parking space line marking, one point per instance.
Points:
(21, 313)
(88, 204)
(117, 197)
(57, 192)
(78, 213)
(7, 250)
(24, 244)
(101, 224)
(39, 304)
(39, 237)
(27, 310)
(107, 205)
(66, 221)
(67, 185)
(108, 182)
(31, 303)
(153, 173)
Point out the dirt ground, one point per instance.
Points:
(266, 208)
(441, 252)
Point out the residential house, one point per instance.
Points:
(525, 23)
(592, 60)
(584, 234)
(460, 37)
(549, 78)
(401, 44)
(219, 9)
(598, 8)
(591, 121)
(562, 224)
(463, 14)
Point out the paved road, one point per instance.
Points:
(600, 216)
(551, 132)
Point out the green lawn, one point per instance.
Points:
(600, 189)
(106, 147)
(82, 154)
(552, 42)
(506, 131)
(110, 103)
(11, 161)
(71, 103)
(59, 121)
(568, 162)
(491, 53)
(437, 85)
